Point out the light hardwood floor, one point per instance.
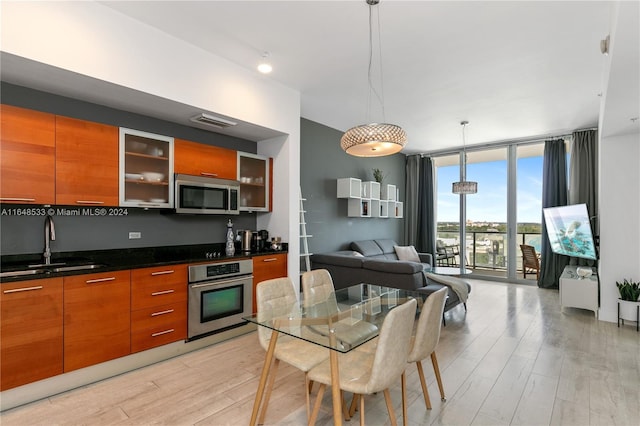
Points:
(513, 359)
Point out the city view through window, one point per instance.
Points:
(486, 248)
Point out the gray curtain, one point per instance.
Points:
(583, 179)
(420, 206)
(411, 200)
(554, 194)
(426, 242)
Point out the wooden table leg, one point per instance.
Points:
(263, 377)
(335, 381)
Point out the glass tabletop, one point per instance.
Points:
(342, 321)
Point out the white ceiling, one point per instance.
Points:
(515, 70)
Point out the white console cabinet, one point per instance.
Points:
(576, 292)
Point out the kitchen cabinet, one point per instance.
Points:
(266, 267)
(255, 174)
(158, 306)
(86, 163)
(31, 325)
(97, 312)
(27, 156)
(199, 159)
(146, 169)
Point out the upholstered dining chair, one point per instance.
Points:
(277, 297)
(317, 286)
(364, 373)
(426, 339)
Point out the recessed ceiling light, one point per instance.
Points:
(264, 66)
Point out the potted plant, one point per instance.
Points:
(628, 302)
(378, 176)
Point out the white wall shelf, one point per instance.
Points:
(370, 199)
(371, 190)
(349, 188)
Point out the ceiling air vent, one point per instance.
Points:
(213, 121)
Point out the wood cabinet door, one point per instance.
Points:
(97, 313)
(86, 163)
(27, 156)
(267, 267)
(199, 159)
(31, 330)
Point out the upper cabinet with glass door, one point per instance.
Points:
(255, 182)
(146, 169)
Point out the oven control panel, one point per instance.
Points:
(219, 270)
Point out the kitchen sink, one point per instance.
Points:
(76, 267)
(43, 269)
(11, 274)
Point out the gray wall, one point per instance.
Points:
(24, 235)
(322, 162)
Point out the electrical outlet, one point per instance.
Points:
(135, 235)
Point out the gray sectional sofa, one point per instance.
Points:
(376, 262)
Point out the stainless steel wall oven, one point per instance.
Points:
(220, 294)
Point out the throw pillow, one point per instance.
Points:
(407, 253)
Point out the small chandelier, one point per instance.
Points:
(374, 139)
(464, 186)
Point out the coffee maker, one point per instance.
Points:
(259, 241)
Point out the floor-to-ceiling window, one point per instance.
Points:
(505, 212)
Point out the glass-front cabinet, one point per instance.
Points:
(253, 175)
(146, 169)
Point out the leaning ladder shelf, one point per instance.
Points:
(303, 234)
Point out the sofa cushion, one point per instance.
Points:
(340, 259)
(407, 253)
(392, 266)
(367, 248)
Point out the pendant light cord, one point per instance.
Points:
(379, 96)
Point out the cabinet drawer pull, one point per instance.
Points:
(170, 271)
(160, 333)
(89, 202)
(159, 293)
(168, 311)
(209, 174)
(271, 259)
(100, 280)
(17, 290)
(26, 200)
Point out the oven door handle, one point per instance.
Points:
(214, 283)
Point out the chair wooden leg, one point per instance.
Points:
(434, 361)
(361, 398)
(267, 394)
(345, 411)
(423, 383)
(354, 404)
(308, 385)
(392, 413)
(403, 381)
(316, 405)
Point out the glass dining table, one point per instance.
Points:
(341, 322)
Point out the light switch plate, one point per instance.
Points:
(135, 235)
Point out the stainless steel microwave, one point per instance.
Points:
(202, 195)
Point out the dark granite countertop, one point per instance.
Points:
(121, 259)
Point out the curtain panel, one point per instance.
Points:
(419, 204)
(554, 194)
(583, 179)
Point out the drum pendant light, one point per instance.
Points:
(464, 186)
(374, 139)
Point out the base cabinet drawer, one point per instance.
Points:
(159, 325)
(30, 331)
(158, 286)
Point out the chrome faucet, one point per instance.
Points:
(49, 235)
